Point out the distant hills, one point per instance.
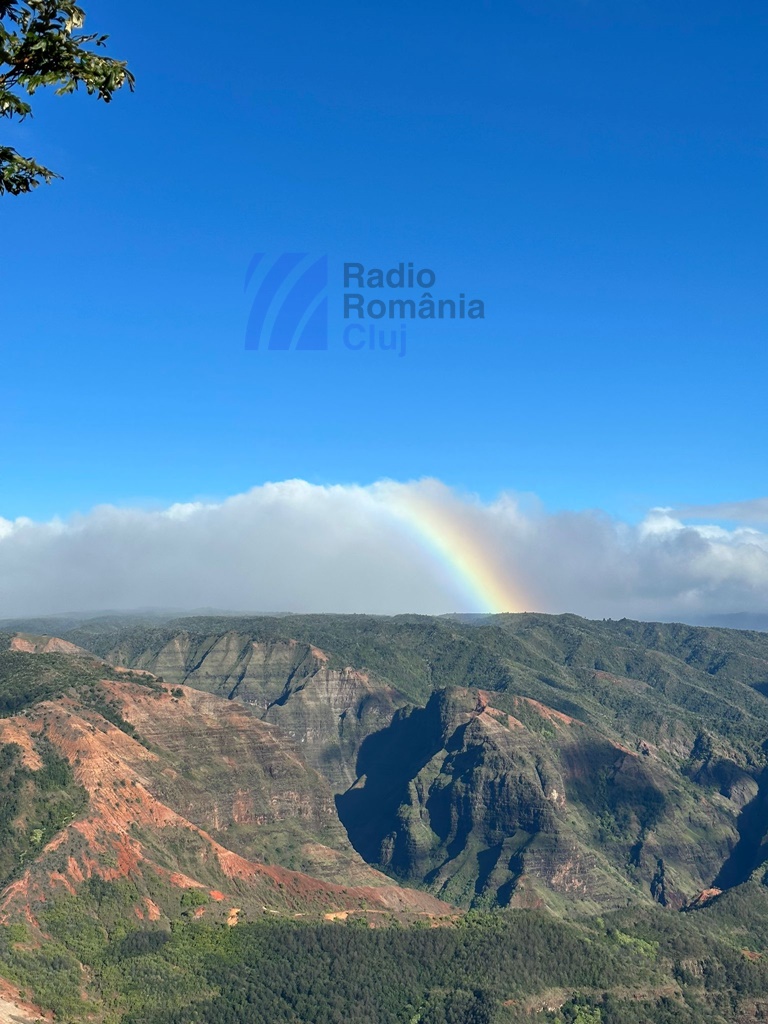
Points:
(55, 624)
(742, 620)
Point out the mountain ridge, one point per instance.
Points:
(650, 689)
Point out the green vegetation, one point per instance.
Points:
(25, 680)
(40, 46)
(34, 805)
(648, 967)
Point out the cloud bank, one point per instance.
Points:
(298, 547)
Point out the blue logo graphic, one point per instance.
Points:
(290, 309)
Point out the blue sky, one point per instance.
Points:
(597, 176)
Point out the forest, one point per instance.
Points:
(505, 967)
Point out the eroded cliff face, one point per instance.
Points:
(329, 715)
(497, 797)
(487, 808)
(231, 773)
(462, 797)
(326, 710)
(188, 791)
(33, 644)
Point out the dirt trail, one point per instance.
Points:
(14, 1010)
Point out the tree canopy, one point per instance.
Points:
(41, 45)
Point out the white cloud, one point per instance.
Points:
(294, 546)
(753, 511)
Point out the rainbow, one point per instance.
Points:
(468, 561)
